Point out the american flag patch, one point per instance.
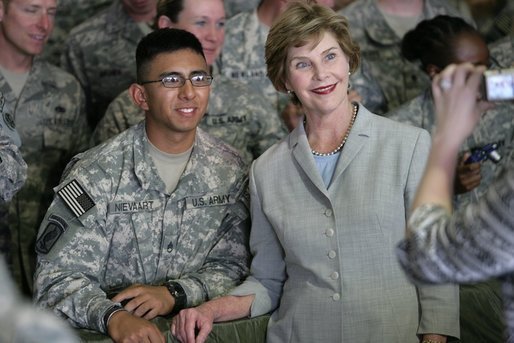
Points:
(77, 200)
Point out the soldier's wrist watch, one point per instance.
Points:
(178, 293)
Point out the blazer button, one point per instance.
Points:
(336, 297)
(329, 232)
(334, 275)
(332, 254)
(328, 212)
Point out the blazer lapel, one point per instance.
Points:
(303, 156)
(359, 136)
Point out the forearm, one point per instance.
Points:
(436, 186)
(229, 307)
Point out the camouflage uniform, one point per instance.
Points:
(137, 233)
(50, 118)
(13, 169)
(502, 52)
(235, 115)
(243, 56)
(497, 126)
(399, 79)
(233, 7)
(101, 54)
(20, 322)
(70, 13)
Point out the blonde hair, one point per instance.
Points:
(301, 23)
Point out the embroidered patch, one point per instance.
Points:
(210, 200)
(9, 120)
(54, 230)
(134, 206)
(77, 200)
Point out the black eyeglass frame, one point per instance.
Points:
(208, 78)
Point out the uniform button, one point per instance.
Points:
(336, 297)
(329, 232)
(328, 212)
(332, 254)
(334, 275)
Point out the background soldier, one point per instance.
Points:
(47, 106)
(100, 52)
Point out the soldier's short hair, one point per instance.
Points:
(163, 41)
(299, 24)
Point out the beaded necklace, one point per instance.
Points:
(336, 150)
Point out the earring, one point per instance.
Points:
(289, 92)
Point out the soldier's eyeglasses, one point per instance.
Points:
(177, 81)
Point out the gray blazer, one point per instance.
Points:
(324, 260)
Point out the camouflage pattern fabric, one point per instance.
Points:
(70, 13)
(100, 53)
(399, 79)
(368, 88)
(236, 115)
(21, 322)
(502, 52)
(233, 7)
(13, 169)
(133, 232)
(496, 126)
(243, 56)
(50, 119)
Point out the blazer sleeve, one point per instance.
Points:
(268, 272)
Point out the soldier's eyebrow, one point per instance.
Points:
(175, 73)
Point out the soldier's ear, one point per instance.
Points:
(138, 95)
(163, 22)
(432, 70)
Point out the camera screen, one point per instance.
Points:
(499, 84)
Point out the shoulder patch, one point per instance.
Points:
(77, 200)
(53, 231)
(9, 121)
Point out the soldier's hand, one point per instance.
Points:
(126, 328)
(192, 325)
(145, 301)
(468, 176)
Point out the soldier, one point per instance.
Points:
(100, 52)
(238, 116)
(70, 13)
(437, 43)
(47, 106)
(378, 26)
(156, 218)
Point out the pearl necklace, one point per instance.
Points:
(336, 150)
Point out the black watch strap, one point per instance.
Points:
(178, 293)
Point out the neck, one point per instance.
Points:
(171, 143)
(268, 11)
(407, 8)
(321, 132)
(142, 17)
(13, 60)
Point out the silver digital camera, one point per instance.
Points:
(498, 85)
